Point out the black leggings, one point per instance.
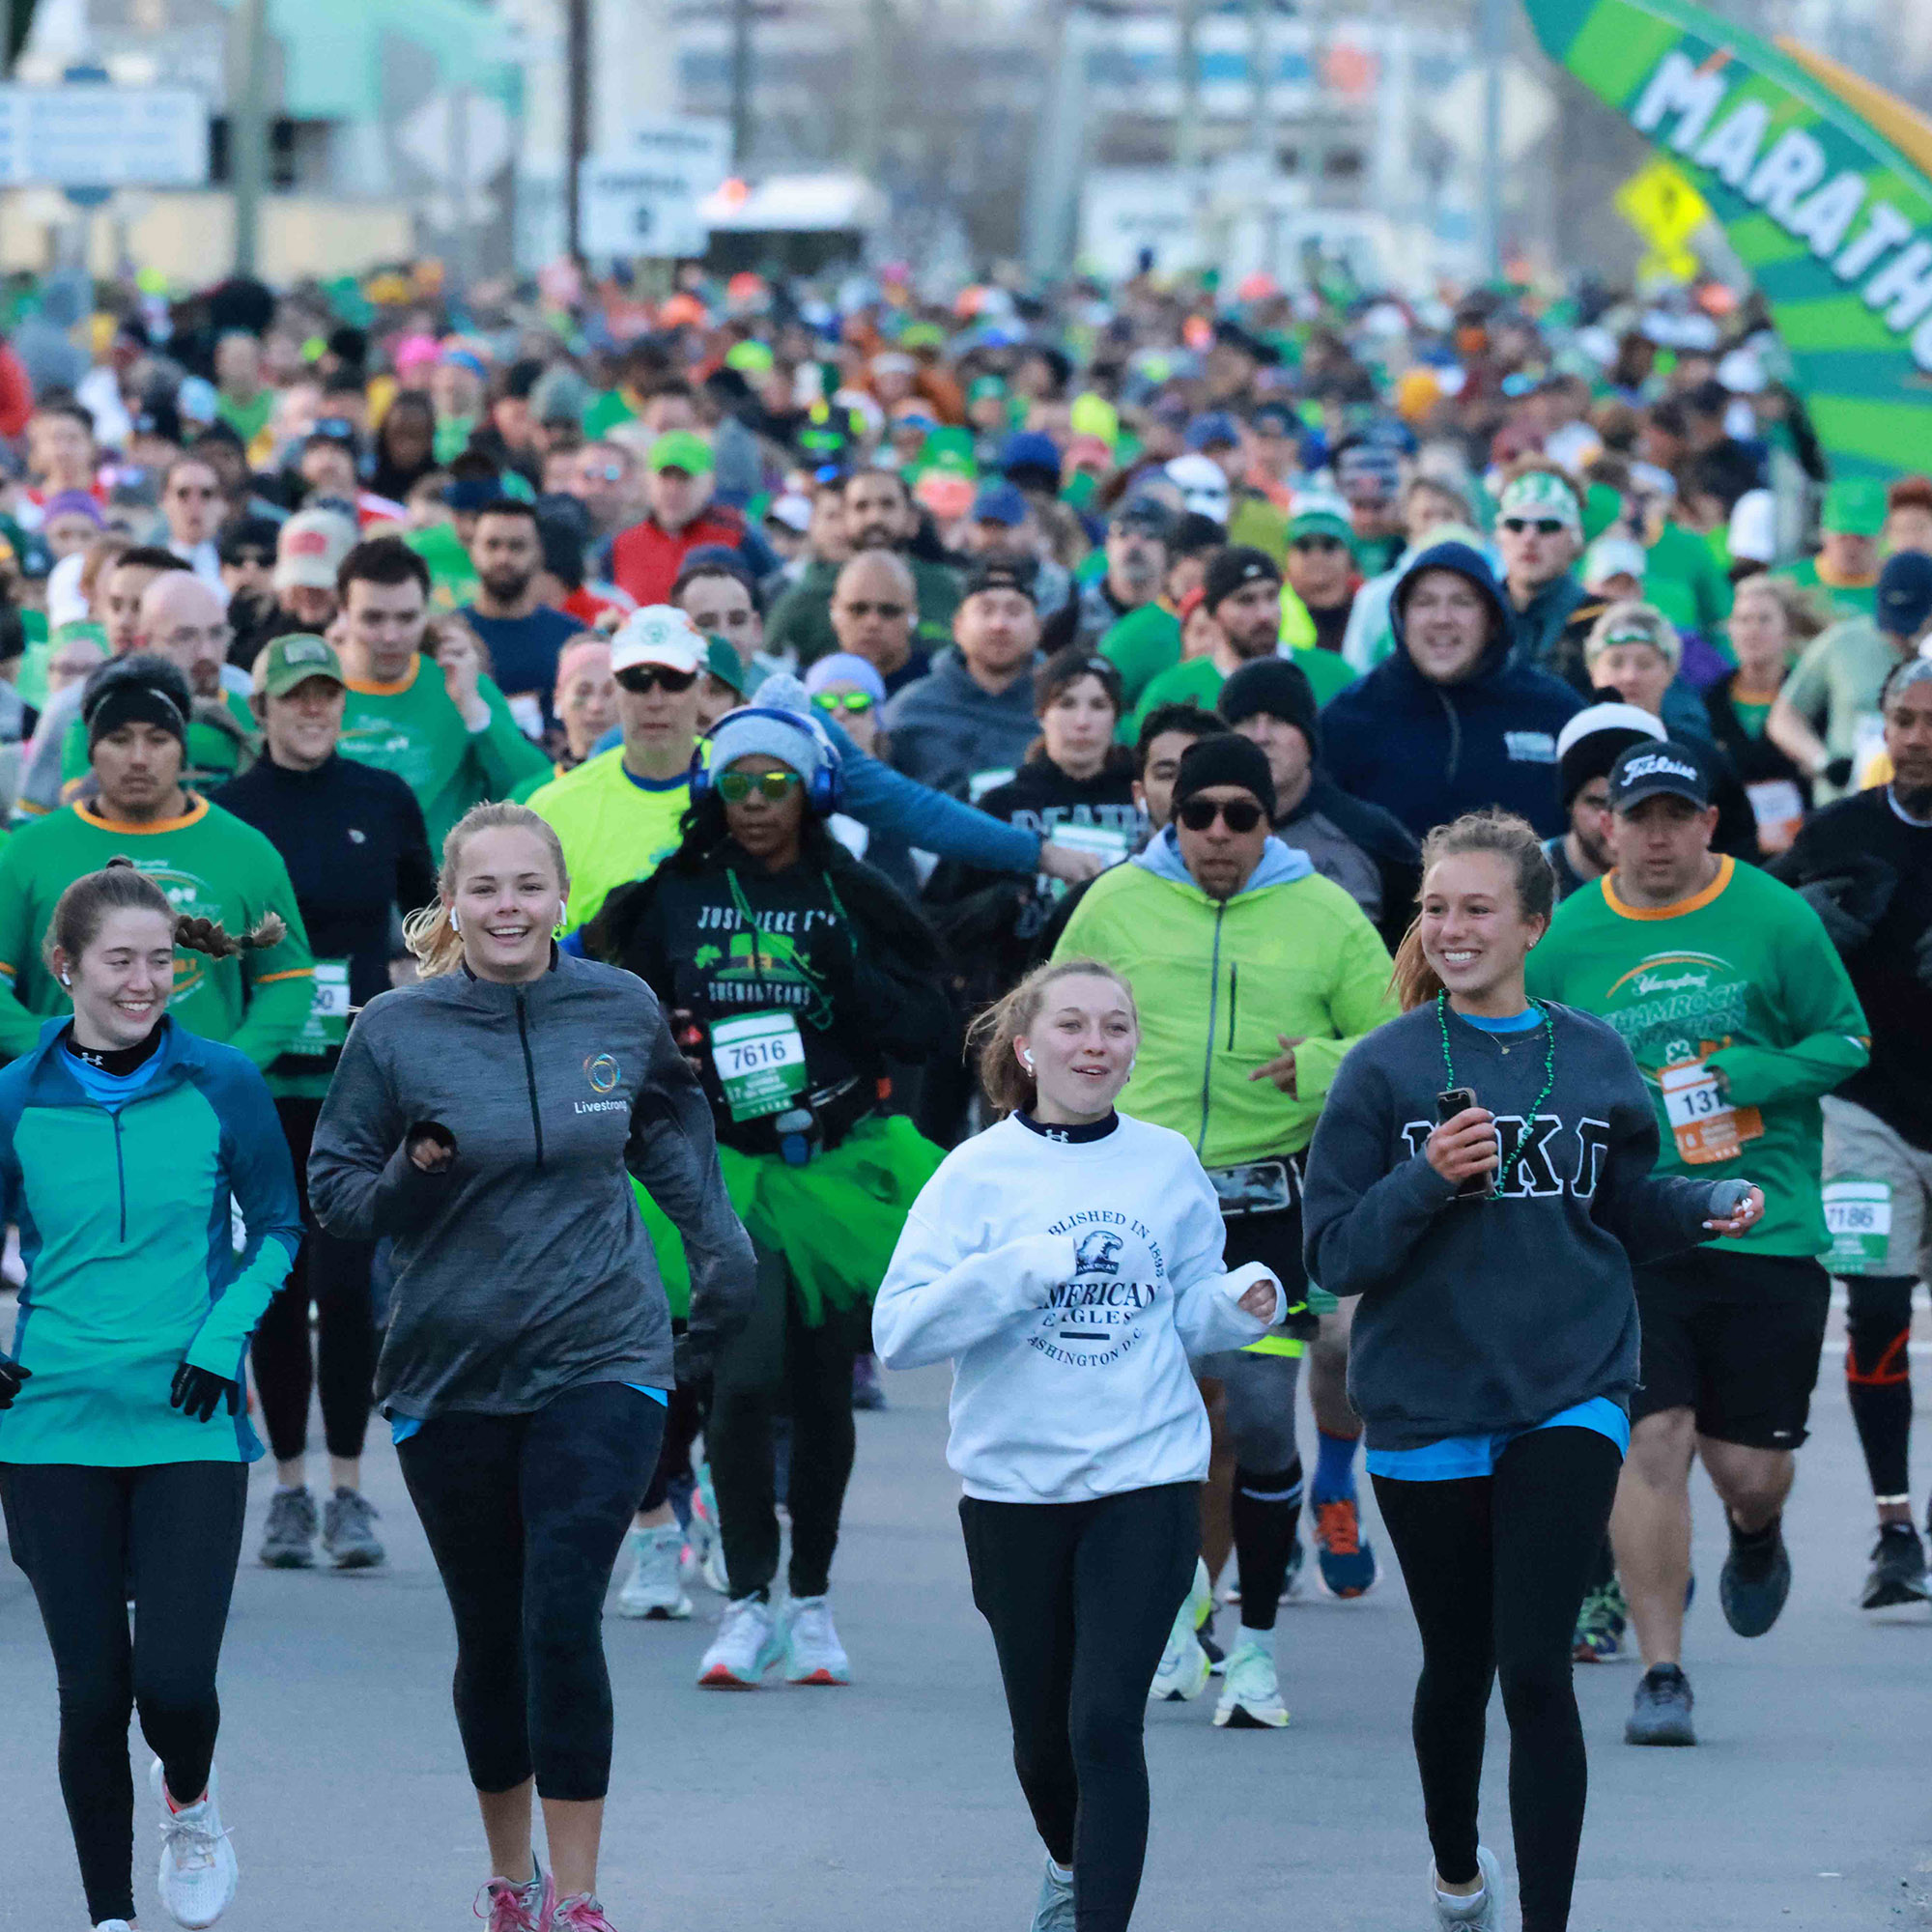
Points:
(526, 1515)
(1081, 1597)
(1878, 1377)
(81, 1534)
(334, 1276)
(1495, 1568)
(778, 1362)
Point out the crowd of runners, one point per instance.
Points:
(586, 875)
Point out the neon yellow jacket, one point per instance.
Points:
(1217, 981)
(614, 827)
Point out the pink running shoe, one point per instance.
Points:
(516, 1908)
(579, 1913)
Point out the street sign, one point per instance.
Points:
(90, 136)
(643, 199)
(1660, 202)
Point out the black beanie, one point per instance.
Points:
(1279, 687)
(1230, 568)
(140, 689)
(1225, 759)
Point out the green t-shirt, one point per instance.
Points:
(614, 827)
(413, 728)
(32, 682)
(1140, 646)
(1738, 981)
(604, 413)
(246, 419)
(214, 754)
(1835, 688)
(452, 576)
(1848, 600)
(1199, 681)
(1681, 577)
(210, 865)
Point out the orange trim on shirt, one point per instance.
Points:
(1696, 902)
(374, 688)
(287, 973)
(197, 811)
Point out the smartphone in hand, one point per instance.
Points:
(1449, 1104)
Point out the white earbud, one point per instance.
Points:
(455, 924)
(563, 912)
(1026, 1060)
(65, 981)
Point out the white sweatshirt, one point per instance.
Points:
(1068, 1282)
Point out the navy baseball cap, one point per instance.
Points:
(1000, 504)
(1905, 593)
(1655, 770)
(1216, 430)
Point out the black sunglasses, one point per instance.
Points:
(640, 678)
(860, 607)
(1243, 815)
(1544, 527)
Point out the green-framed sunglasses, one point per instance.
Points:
(851, 702)
(735, 787)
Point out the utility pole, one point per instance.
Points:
(577, 115)
(741, 84)
(1060, 149)
(1496, 50)
(249, 133)
(873, 55)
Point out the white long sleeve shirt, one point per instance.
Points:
(1068, 1279)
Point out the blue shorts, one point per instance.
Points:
(1457, 1457)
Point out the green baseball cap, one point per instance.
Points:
(1321, 524)
(681, 449)
(287, 662)
(1855, 505)
(749, 357)
(723, 662)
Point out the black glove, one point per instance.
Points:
(1842, 926)
(12, 1376)
(200, 1392)
(1838, 772)
(692, 1359)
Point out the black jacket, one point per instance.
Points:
(1369, 853)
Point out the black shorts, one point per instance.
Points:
(1735, 1337)
(1274, 1241)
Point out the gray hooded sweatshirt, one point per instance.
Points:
(522, 1269)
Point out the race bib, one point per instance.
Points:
(1706, 1127)
(1858, 1215)
(326, 1025)
(760, 1062)
(1778, 808)
(1867, 746)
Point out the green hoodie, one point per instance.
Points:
(1218, 982)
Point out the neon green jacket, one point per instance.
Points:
(123, 1207)
(1217, 981)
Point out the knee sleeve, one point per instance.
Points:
(1878, 1326)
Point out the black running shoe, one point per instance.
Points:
(1899, 1569)
(1756, 1579)
(1661, 1713)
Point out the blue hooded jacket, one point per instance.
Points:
(1429, 753)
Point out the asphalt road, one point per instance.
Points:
(892, 1804)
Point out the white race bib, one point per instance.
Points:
(760, 1062)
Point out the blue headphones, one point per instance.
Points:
(824, 790)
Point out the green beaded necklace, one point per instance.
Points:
(1509, 1167)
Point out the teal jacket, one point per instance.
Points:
(126, 1234)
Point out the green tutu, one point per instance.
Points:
(835, 1220)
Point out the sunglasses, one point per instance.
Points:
(853, 702)
(1241, 815)
(735, 787)
(859, 607)
(642, 678)
(256, 560)
(1323, 544)
(1544, 527)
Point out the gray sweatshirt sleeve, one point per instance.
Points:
(1362, 1218)
(673, 1153)
(361, 1182)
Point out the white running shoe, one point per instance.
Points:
(197, 1874)
(1054, 1911)
(813, 1652)
(1185, 1664)
(1250, 1691)
(747, 1645)
(1481, 1910)
(655, 1587)
(113, 1925)
(707, 1541)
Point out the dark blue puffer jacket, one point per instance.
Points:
(1429, 753)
